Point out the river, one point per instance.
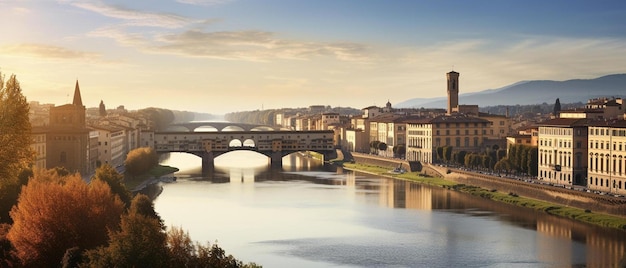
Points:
(310, 215)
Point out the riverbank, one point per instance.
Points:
(155, 175)
(587, 216)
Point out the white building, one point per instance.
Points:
(607, 157)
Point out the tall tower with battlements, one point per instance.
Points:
(453, 91)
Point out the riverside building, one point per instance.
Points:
(607, 157)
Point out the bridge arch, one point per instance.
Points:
(205, 128)
(218, 127)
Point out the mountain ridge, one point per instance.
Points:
(530, 92)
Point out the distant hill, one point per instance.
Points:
(534, 92)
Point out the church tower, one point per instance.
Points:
(453, 91)
(68, 136)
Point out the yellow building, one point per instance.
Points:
(461, 132)
(607, 157)
(563, 151)
(39, 147)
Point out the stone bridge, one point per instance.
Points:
(274, 144)
(217, 127)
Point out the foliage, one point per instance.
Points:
(142, 205)
(447, 153)
(374, 146)
(140, 160)
(56, 213)
(533, 161)
(439, 153)
(399, 149)
(102, 110)
(107, 174)
(382, 146)
(15, 139)
(7, 252)
(503, 165)
(557, 107)
(140, 242)
(161, 118)
(184, 253)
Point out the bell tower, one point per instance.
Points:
(453, 91)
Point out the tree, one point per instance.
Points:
(460, 158)
(533, 161)
(107, 174)
(447, 153)
(15, 139)
(439, 153)
(7, 256)
(557, 107)
(140, 160)
(374, 146)
(102, 109)
(140, 242)
(382, 146)
(399, 150)
(56, 213)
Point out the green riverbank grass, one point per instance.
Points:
(578, 214)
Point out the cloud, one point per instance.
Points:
(204, 2)
(136, 17)
(252, 45)
(46, 51)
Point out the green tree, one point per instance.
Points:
(447, 153)
(15, 139)
(107, 174)
(56, 213)
(533, 161)
(140, 242)
(374, 146)
(382, 146)
(440, 153)
(512, 155)
(460, 158)
(399, 150)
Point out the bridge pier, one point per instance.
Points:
(208, 165)
(276, 160)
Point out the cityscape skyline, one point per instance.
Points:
(224, 56)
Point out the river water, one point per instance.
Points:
(310, 215)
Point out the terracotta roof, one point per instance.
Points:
(565, 122)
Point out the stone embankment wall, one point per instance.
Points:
(374, 160)
(557, 195)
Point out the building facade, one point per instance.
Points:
(461, 132)
(563, 151)
(607, 157)
(67, 141)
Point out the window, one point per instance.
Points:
(63, 157)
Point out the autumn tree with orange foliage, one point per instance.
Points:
(57, 213)
(140, 160)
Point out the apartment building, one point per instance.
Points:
(563, 151)
(39, 146)
(607, 157)
(461, 132)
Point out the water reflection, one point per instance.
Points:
(315, 216)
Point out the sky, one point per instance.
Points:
(220, 56)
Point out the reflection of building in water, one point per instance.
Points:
(419, 197)
(605, 252)
(552, 234)
(403, 194)
(386, 196)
